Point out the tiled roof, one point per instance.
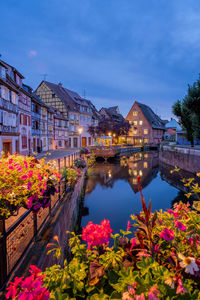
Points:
(152, 118)
(65, 95)
(113, 114)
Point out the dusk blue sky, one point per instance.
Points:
(119, 51)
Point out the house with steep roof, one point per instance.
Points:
(171, 128)
(111, 113)
(146, 126)
(73, 107)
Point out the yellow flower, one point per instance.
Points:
(188, 263)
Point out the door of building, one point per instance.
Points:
(7, 148)
(84, 142)
(75, 142)
(34, 145)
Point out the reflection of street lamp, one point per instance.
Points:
(109, 133)
(80, 130)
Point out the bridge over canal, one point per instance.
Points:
(113, 151)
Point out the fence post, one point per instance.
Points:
(59, 164)
(3, 253)
(50, 206)
(65, 162)
(35, 224)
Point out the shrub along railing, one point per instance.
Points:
(15, 241)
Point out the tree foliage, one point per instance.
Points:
(188, 112)
(108, 125)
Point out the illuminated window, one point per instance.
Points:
(145, 164)
(146, 155)
(135, 113)
(145, 141)
(135, 123)
(145, 131)
(134, 181)
(140, 173)
(135, 131)
(135, 165)
(140, 122)
(135, 172)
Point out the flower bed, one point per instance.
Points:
(25, 182)
(161, 261)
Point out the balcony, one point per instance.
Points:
(8, 105)
(8, 129)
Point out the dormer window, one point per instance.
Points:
(2, 72)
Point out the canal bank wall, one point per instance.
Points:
(184, 158)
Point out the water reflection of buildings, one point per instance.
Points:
(143, 164)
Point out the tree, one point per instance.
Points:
(188, 112)
(108, 125)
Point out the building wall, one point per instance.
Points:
(44, 129)
(25, 140)
(9, 115)
(61, 134)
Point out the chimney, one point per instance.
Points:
(60, 84)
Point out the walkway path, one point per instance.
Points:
(55, 154)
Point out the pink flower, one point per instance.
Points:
(133, 243)
(11, 168)
(156, 248)
(171, 212)
(180, 226)
(96, 234)
(30, 174)
(24, 177)
(30, 202)
(143, 253)
(12, 289)
(180, 288)
(140, 297)
(25, 164)
(153, 293)
(29, 185)
(167, 234)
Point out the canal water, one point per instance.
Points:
(112, 193)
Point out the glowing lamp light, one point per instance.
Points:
(80, 130)
(109, 133)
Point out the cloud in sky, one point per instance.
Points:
(119, 51)
(32, 53)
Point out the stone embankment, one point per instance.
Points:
(187, 159)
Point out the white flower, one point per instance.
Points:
(188, 263)
(38, 166)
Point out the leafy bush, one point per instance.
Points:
(161, 260)
(84, 150)
(71, 175)
(80, 163)
(25, 181)
(91, 160)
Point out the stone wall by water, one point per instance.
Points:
(185, 158)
